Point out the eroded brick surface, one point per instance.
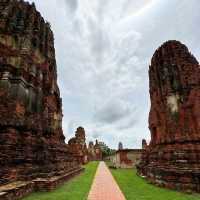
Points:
(172, 158)
(78, 147)
(31, 137)
(94, 151)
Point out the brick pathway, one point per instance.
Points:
(104, 186)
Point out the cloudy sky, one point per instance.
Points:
(103, 50)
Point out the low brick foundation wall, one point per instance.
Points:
(16, 190)
(52, 183)
(19, 189)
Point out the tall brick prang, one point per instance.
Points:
(172, 159)
(31, 138)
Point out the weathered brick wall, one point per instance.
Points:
(127, 158)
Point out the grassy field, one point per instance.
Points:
(75, 189)
(136, 188)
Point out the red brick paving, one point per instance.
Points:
(104, 186)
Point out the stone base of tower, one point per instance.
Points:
(173, 166)
(186, 180)
(32, 163)
(19, 189)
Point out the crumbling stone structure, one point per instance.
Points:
(144, 144)
(120, 146)
(126, 158)
(91, 151)
(98, 151)
(32, 146)
(95, 151)
(78, 147)
(172, 159)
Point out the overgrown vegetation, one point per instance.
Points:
(75, 189)
(136, 188)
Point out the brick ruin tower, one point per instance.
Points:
(31, 138)
(120, 146)
(78, 147)
(98, 151)
(144, 144)
(172, 159)
(91, 151)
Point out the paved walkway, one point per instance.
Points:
(104, 186)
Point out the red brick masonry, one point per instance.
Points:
(172, 159)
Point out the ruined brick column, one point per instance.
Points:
(78, 147)
(173, 157)
(98, 151)
(91, 151)
(144, 144)
(94, 151)
(31, 138)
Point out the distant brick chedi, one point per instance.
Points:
(172, 158)
(78, 147)
(31, 137)
(94, 151)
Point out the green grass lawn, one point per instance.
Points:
(75, 189)
(136, 188)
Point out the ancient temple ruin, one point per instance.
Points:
(144, 144)
(94, 151)
(32, 146)
(120, 146)
(78, 147)
(172, 158)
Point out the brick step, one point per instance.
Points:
(19, 189)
